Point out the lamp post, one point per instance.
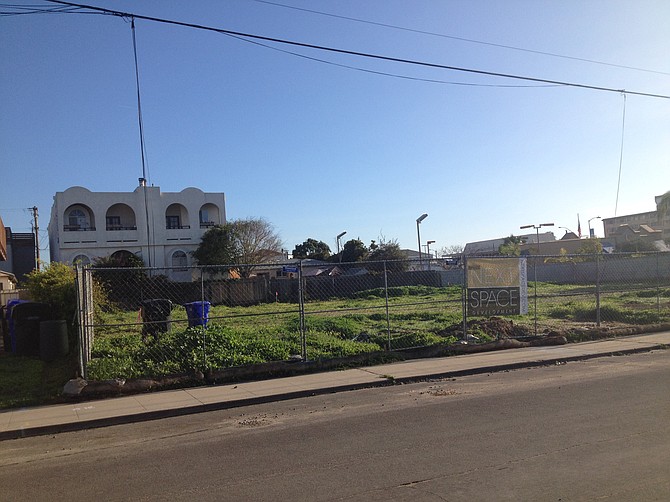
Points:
(537, 230)
(428, 243)
(338, 237)
(567, 230)
(418, 235)
(590, 229)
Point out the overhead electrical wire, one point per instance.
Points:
(76, 10)
(378, 57)
(461, 39)
(22, 10)
(383, 73)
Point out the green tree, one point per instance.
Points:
(119, 259)
(118, 274)
(244, 243)
(590, 246)
(218, 246)
(511, 246)
(354, 250)
(390, 253)
(312, 249)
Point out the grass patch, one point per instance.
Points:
(580, 312)
(27, 381)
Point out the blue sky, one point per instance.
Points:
(317, 148)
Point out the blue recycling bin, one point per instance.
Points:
(197, 313)
(10, 339)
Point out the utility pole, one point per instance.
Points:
(37, 237)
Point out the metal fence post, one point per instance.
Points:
(202, 320)
(535, 288)
(658, 285)
(598, 289)
(301, 308)
(464, 297)
(84, 317)
(386, 297)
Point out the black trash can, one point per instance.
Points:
(156, 316)
(53, 340)
(26, 319)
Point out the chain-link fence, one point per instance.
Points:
(144, 322)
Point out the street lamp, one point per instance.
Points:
(338, 237)
(428, 243)
(537, 230)
(418, 235)
(590, 229)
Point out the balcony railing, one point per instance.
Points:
(177, 227)
(207, 224)
(77, 228)
(120, 227)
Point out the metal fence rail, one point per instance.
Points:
(145, 322)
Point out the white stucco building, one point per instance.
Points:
(161, 228)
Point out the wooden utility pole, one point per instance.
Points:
(37, 237)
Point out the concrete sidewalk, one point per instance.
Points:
(16, 423)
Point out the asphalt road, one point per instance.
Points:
(592, 430)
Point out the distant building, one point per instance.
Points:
(491, 246)
(3, 242)
(566, 244)
(18, 253)
(7, 281)
(161, 228)
(649, 226)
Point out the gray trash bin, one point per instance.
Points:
(53, 340)
(26, 319)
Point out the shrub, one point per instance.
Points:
(55, 285)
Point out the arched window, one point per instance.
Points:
(120, 217)
(176, 216)
(179, 260)
(76, 220)
(78, 217)
(209, 215)
(81, 259)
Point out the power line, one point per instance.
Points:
(22, 10)
(362, 54)
(383, 73)
(461, 39)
